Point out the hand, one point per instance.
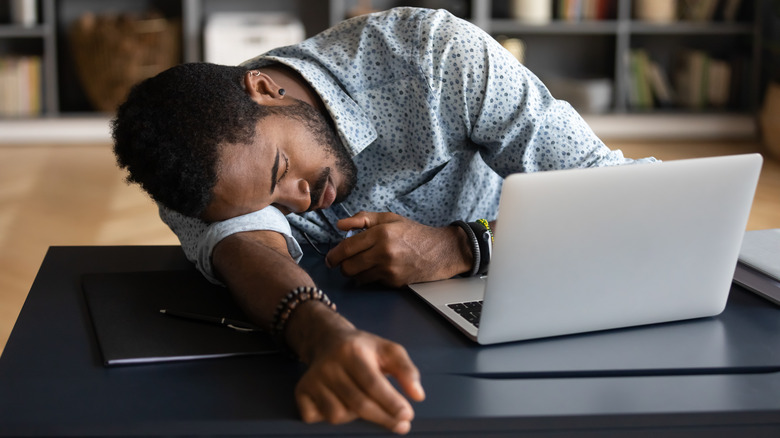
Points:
(398, 251)
(346, 380)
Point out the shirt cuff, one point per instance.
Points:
(269, 219)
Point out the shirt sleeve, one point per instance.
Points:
(198, 238)
(492, 99)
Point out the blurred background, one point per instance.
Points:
(667, 78)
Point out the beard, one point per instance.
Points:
(325, 134)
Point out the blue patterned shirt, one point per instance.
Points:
(434, 112)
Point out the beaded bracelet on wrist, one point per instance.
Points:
(484, 235)
(474, 247)
(291, 301)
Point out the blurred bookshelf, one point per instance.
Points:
(603, 56)
(586, 52)
(28, 83)
(61, 40)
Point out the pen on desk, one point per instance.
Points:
(227, 322)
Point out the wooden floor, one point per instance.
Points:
(75, 195)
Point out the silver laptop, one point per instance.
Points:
(594, 249)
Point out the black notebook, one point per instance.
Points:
(125, 312)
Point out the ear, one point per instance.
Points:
(261, 88)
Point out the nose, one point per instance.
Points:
(296, 195)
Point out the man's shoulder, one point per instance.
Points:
(405, 14)
(396, 18)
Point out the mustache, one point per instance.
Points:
(319, 187)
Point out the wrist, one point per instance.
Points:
(312, 326)
(464, 250)
(484, 236)
(479, 241)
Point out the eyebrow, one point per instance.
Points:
(274, 171)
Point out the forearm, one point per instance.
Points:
(259, 273)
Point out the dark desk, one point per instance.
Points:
(711, 377)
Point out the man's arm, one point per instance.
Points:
(347, 367)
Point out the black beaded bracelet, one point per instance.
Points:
(484, 235)
(291, 301)
(474, 247)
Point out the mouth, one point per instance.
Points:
(324, 192)
(328, 195)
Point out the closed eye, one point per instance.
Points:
(275, 170)
(286, 169)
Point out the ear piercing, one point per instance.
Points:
(281, 91)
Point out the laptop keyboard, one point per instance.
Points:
(470, 310)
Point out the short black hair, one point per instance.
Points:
(168, 132)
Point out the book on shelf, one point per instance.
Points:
(578, 10)
(20, 86)
(691, 79)
(698, 10)
(741, 73)
(719, 83)
(703, 81)
(709, 10)
(656, 11)
(640, 94)
(700, 81)
(648, 82)
(731, 10)
(659, 83)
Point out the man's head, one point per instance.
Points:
(198, 138)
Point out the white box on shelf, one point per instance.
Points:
(232, 38)
(591, 96)
(24, 12)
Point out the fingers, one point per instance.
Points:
(366, 219)
(357, 387)
(307, 408)
(347, 249)
(321, 404)
(368, 261)
(342, 400)
(369, 250)
(376, 387)
(371, 266)
(351, 246)
(375, 400)
(399, 365)
(360, 220)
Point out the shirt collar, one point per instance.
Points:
(352, 124)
